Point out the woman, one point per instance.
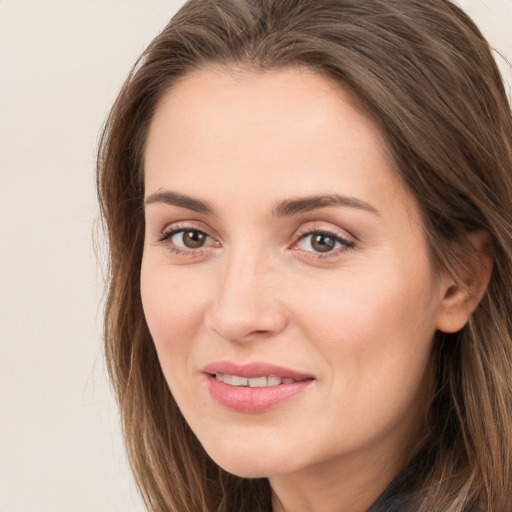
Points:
(308, 210)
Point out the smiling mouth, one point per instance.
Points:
(253, 382)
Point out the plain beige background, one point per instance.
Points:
(62, 64)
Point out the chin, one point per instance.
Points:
(245, 468)
(248, 461)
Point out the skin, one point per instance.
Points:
(359, 318)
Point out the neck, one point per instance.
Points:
(350, 484)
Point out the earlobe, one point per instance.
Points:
(464, 291)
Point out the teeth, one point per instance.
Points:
(273, 380)
(253, 382)
(224, 378)
(258, 382)
(239, 381)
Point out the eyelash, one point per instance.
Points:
(167, 235)
(346, 243)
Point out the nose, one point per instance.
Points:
(246, 305)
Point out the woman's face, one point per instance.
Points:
(285, 280)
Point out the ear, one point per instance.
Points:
(464, 288)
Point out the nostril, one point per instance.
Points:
(238, 315)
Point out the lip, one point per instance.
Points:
(254, 400)
(255, 369)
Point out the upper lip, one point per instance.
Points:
(254, 369)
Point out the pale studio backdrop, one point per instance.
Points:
(62, 63)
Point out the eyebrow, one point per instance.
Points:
(284, 208)
(305, 204)
(181, 200)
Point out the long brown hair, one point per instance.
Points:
(426, 76)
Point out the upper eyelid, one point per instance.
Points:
(309, 232)
(187, 225)
(337, 232)
(168, 233)
(343, 240)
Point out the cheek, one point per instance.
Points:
(375, 339)
(375, 330)
(174, 305)
(358, 304)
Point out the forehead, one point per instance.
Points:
(289, 131)
(293, 100)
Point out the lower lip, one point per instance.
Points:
(253, 400)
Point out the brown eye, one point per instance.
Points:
(322, 243)
(187, 238)
(193, 239)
